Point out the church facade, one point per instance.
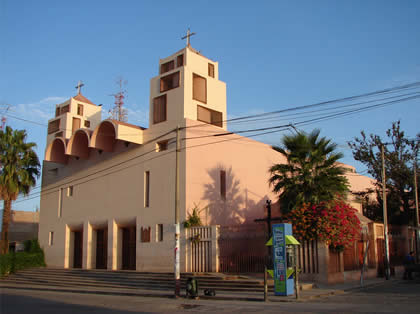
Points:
(108, 187)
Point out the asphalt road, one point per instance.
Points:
(389, 297)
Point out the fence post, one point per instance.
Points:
(215, 248)
(265, 284)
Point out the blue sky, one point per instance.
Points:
(271, 54)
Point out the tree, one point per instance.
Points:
(311, 174)
(19, 168)
(399, 158)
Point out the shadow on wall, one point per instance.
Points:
(229, 202)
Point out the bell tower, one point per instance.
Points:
(187, 87)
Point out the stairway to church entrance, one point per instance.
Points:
(101, 248)
(129, 248)
(78, 249)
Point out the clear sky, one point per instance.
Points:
(272, 55)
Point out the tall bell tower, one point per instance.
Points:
(187, 87)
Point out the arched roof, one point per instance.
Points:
(56, 151)
(104, 136)
(78, 144)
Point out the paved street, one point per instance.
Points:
(394, 296)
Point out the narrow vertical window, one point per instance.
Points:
(147, 189)
(70, 191)
(159, 232)
(211, 70)
(51, 238)
(180, 60)
(159, 109)
(60, 202)
(223, 184)
(79, 109)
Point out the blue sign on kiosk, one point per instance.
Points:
(282, 259)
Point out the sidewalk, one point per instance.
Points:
(305, 295)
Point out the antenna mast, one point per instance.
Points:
(3, 118)
(118, 112)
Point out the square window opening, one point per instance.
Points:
(209, 116)
(161, 146)
(169, 82)
(166, 67)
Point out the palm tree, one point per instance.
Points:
(19, 168)
(311, 174)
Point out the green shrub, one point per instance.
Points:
(33, 256)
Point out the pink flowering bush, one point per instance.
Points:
(333, 222)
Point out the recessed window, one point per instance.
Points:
(87, 124)
(80, 110)
(60, 202)
(209, 116)
(59, 134)
(146, 188)
(145, 234)
(169, 82)
(54, 126)
(70, 191)
(223, 184)
(211, 70)
(159, 233)
(199, 88)
(180, 60)
(57, 111)
(65, 109)
(166, 67)
(51, 238)
(159, 109)
(161, 146)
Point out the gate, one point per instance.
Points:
(200, 239)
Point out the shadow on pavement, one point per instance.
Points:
(17, 304)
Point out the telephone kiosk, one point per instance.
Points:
(284, 258)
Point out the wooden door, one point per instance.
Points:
(101, 249)
(129, 248)
(76, 124)
(78, 249)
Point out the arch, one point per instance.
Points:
(104, 136)
(56, 151)
(78, 144)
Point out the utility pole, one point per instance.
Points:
(416, 198)
(385, 213)
(177, 227)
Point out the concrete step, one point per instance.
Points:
(132, 280)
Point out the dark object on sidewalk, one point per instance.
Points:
(192, 288)
(409, 265)
(209, 292)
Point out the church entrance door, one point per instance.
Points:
(101, 248)
(129, 248)
(78, 249)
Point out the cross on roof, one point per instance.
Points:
(189, 34)
(79, 86)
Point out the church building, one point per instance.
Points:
(108, 187)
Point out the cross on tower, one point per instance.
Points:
(189, 34)
(79, 86)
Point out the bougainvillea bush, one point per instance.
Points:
(333, 222)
